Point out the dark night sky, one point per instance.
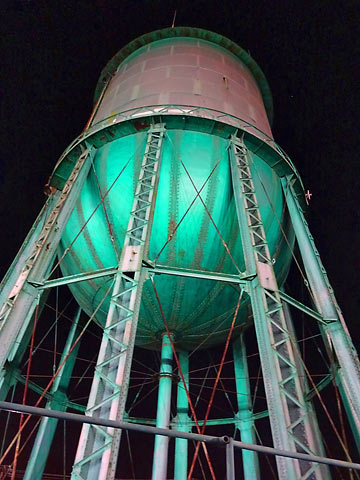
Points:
(52, 55)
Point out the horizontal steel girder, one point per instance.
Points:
(79, 277)
(301, 306)
(200, 274)
(156, 269)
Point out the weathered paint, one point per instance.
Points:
(193, 308)
(182, 66)
(186, 33)
(185, 71)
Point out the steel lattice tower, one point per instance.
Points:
(173, 219)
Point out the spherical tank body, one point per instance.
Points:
(198, 84)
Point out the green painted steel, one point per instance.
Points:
(161, 448)
(189, 32)
(335, 329)
(182, 421)
(245, 414)
(290, 421)
(97, 453)
(23, 299)
(193, 307)
(46, 432)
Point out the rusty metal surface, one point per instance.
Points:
(188, 32)
(185, 71)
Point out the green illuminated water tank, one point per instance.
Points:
(203, 87)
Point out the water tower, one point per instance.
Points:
(173, 220)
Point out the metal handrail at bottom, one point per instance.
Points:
(224, 441)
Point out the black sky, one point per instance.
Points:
(52, 55)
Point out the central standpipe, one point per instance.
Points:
(161, 448)
(183, 421)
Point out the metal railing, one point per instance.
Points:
(188, 110)
(226, 442)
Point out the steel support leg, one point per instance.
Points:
(160, 462)
(245, 414)
(15, 269)
(181, 444)
(12, 371)
(98, 447)
(289, 417)
(21, 302)
(319, 446)
(46, 432)
(336, 330)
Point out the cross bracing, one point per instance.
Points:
(23, 296)
(98, 447)
(254, 280)
(292, 428)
